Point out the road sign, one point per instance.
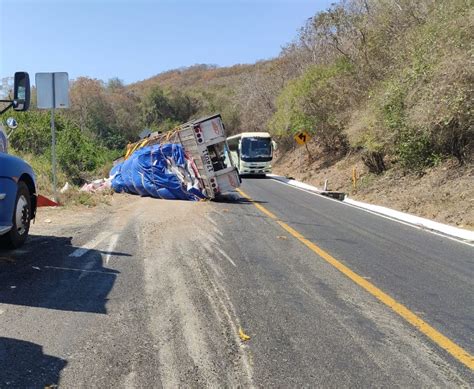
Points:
(52, 91)
(302, 137)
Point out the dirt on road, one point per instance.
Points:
(165, 321)
(155, 293)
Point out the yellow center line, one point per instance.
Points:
(456, 351)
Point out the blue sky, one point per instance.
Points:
(136, 39)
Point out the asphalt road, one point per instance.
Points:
(150, 293)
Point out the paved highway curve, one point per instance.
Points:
(153, 294)
(458, 257)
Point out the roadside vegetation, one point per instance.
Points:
(389, 81)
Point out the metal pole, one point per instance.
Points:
(53, 142)
(309, 153)
(53, 151)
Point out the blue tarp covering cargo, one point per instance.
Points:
(160, 171)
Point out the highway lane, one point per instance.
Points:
(153, 293)
(430, 274)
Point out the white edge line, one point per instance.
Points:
(90, 245)
(111, 247)
(79, 252)
(348, 204)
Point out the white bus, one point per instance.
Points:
(252, 152)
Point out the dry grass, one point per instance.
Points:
(75, 197)
(444, 193)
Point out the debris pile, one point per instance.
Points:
(95, 186)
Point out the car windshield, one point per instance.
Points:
(256, 147)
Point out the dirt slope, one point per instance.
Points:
(444, 193)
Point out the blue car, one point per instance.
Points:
(17, 200)
(18, 196)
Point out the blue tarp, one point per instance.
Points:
(160, 171)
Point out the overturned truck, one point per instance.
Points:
(191, 162)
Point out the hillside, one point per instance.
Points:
(383, 87)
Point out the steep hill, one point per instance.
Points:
(383, 87)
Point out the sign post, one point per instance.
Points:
(53, 150)
(302, 138)
(52, 91)
(355, 177)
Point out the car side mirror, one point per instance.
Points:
(21, 91)
(12, 123)
(274, 145)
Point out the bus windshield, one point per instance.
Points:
(256, 149)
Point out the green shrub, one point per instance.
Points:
(77, 154)
(314, 102)
(33, 134)
(415, 150)
(455, 137)
(393, 105)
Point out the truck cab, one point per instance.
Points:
(18, 194)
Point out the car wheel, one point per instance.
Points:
(21, 218)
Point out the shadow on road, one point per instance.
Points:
(43, 274)
(254, 177)
(235, 198)
(24, 365)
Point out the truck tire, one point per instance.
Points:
(21, 219)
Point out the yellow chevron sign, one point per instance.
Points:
(302, 137)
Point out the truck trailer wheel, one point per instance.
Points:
(21, 219)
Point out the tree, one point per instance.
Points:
(90, 107)
(168, 108)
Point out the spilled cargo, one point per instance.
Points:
(191, 162)
(161, 171)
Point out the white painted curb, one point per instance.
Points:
(417, 221)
